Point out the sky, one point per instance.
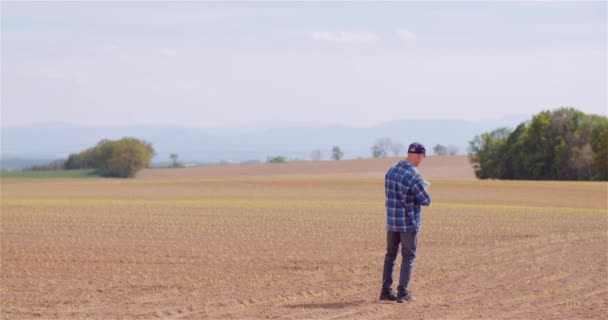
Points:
(213, 64)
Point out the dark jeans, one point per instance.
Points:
(409, 241)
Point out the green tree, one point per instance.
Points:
(513, 165)
(599, 145)
(440, 150)
(563, 144)
(121, 158)
(74, 161)
(128, 155)
(568, 136)
(538, 149)
(486, 151)
(376, 152)
(276, 159)
(336, 153)
(174, 162)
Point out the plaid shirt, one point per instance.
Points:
(405, 193)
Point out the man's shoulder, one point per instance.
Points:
(405, 170)
(402, 169)
(405, 166)
(396, 168)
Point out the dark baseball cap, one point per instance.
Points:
(417, 148)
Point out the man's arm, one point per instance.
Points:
(420, 193)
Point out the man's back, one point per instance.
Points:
(405, 193)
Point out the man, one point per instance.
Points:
(405, 193)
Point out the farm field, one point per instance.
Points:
(435, 167)
(297, 247)
(79, 173)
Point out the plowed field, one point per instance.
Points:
(297, 247)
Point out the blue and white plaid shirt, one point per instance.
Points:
(405, 193)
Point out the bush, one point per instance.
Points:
(121, 158)
(277, 159)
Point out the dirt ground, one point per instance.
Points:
(297, 247)
(435, 167)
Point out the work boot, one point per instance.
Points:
(405, 297)
(388, 296)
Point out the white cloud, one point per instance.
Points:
(345, 37)
(406, 34)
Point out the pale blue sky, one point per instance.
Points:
(354, 63)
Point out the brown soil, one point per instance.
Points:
(433, 167)
(297, 248)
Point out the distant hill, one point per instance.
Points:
(44, 142)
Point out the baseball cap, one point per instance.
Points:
(417, 148)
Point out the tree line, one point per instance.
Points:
(563, 144)
(382, 148)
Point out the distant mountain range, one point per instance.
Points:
(28, 145)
